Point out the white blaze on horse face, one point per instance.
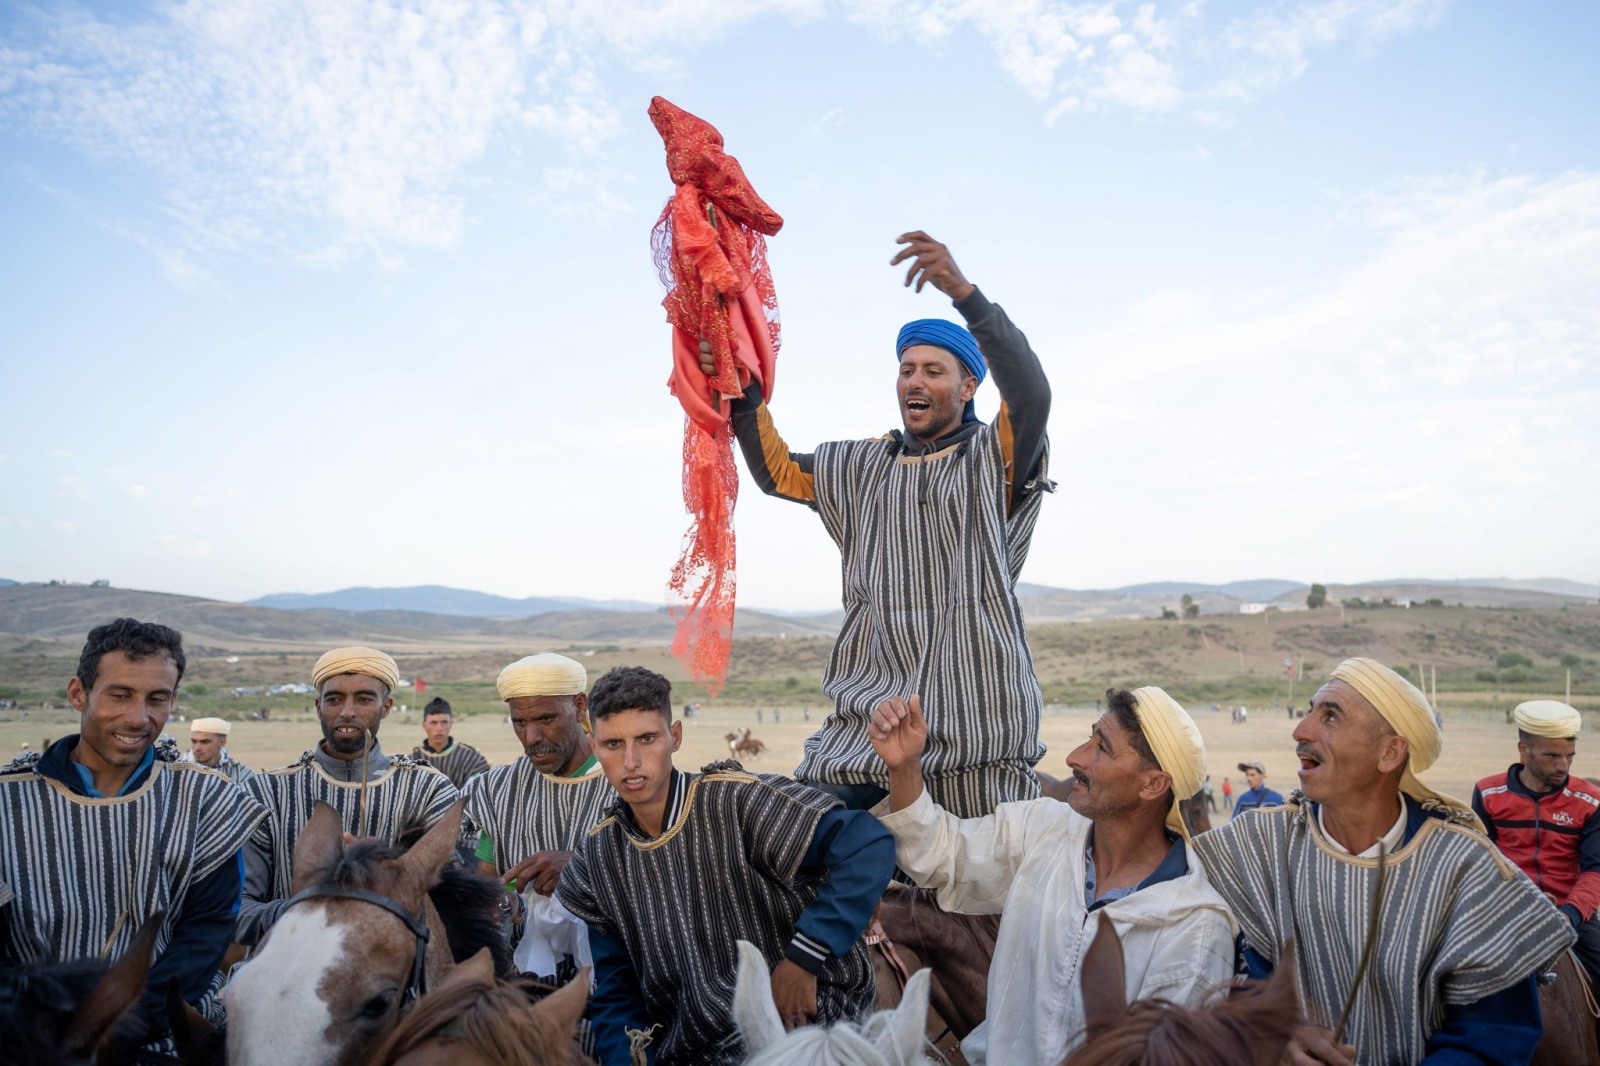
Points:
(275, 1015)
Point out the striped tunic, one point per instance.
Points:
(229, 767)
(525, 812)
(726, 869)
(1459, 922)
(931, 560)
(86, 873)
(458, 762)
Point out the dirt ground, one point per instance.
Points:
(1477, 743)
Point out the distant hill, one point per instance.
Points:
(1245, 591)
(6, 581)
(1421, 591)
(441, 599)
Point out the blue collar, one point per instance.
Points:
(58, 765)
(1172, 867)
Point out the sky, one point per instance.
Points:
(297, 295)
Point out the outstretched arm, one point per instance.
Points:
(778, 471)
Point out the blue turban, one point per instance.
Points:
(947, 335)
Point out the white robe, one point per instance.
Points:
(1026, 863)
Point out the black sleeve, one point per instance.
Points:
(1020, 378)
(1483, 815)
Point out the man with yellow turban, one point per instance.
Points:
(1117, 845)
(1548, 821)
(1364, 849)
(375, 794)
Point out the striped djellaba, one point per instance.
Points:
(86, 873)
(526, 812)
(1458, 921)
(459, 762)
(931, 560)
(404, 796)
(726, 869)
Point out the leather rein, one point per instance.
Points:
(417, 923)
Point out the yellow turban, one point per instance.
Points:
(368, 661)
(1548, 718)
(210, 725)
(1175, 741)
(1407, 712)
(542, 675)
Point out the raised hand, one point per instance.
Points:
(898, 732)
(933, 262)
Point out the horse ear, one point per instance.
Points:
(753, 1010)
(320, 845)
(1280, 995)
(565, 1005)
(190, 1030)
(479, 968)
(908, 1026)
(114, 993)
(1104, 979)
(421, 865)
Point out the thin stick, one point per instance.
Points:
(1366, 950)
(361, 804)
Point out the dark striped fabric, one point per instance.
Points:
(458, 762)
(726, 869)
(931, 560)
(525, 811)
(1459, 922)
(229, 767)
(403, 796)
(86, 873)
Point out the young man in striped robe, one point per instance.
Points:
(933, 523)
(459, 762)
(686, 865)
(105, 828)
(397, 793)
(208, 747)
(1460, 933)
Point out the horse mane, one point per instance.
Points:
(840, 1044)
(492, 1020)
(39, 1008)
(1250, 1026)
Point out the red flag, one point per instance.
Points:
(420, 685)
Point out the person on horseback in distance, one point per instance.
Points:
(1117, 845)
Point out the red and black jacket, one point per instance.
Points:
(1554, 837)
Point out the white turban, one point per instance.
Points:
(1407, 712)
(210, 725)
(1175, 741)
(1548, 718)
(367, 661)
(542, 675)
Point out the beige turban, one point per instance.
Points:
(1407, 712)
(1548, 718)
(368, 661)
(1177, 745)
(210, 725)
(542, 675)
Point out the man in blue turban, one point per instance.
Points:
(933, 522)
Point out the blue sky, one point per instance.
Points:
(300, 295)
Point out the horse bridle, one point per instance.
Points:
(417, 923)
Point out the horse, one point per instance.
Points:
(360, 938)
(67, 1013)
(887, 1038)
(1250, 1027)
(741, 743)
(1567, 1006)
(472, 1019)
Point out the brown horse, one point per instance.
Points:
(472, 1019)
(1565, 1004)
(1250, 1027)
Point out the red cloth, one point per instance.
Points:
(710, 251)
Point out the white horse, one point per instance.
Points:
(888, 1038)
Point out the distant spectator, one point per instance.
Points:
(1227, 792)
(1258, 795)
(458, 762)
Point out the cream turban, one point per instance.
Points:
(1548, 718)
(542, 675)
(1178, 747)
(368, 661)
(1407, 712)
(210, 725)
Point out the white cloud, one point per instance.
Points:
(332, 128)
(138, 492)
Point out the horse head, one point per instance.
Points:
(66, 1012)
(329, 981)
(888, 1038)
(1252, 1025)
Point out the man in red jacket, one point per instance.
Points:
(1547, 821)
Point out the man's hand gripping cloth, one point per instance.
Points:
(712, 258)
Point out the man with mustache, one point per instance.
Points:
(1116, 845)
(105, 828)
(1547, 821)
(1459, 934)
(933, 523)
(354, 687)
